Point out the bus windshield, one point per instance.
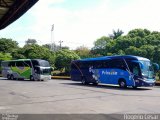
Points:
(45, 71)
(146, 69)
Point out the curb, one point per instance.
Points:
(157, 83)
(61, 77)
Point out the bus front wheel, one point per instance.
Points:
(12, 77)
(31, 78)
(122, 84)
(8, 77)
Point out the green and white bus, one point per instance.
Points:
(29, 69)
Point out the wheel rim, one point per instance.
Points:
(83, 81)
(8, 76)
(31, 78)
(12, 77)
(122, 84)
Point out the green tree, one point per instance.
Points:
(116, 34)
(147, 51)
(83, 52)
(100, 46)
(35, 51)
(18, 54)
(8, 45)
(5, 56)
(30, 41)
(64, 58)
(131, 50)
(138, 33)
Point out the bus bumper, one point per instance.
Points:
(140, 83)
(45, 77)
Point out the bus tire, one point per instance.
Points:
(84, 82)
(31, 78)
(122, 83)
(134, 87)
(12, 77)
(8, 77)
(96, 82)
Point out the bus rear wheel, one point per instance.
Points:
(134, 87)
(12, 77)
(122, 84)
(84, 82)
(95, 83)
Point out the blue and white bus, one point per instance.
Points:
(124, 71)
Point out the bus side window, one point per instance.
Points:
(27, 64)
(73, 66)
(11, 64)
(35, 63)
(104, 64)
(112, 64)
(20, 64)
(118, 64)
(121, 65)
(4, 64)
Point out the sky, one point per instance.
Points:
(81, 22)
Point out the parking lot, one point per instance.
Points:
(66, 96)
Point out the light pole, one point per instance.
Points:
(52, 37)
(60, 43)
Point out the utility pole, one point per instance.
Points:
(60, 44)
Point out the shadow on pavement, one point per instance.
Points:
(105, 86)
(22, 80)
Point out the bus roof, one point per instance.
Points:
(17, 60)
(23, 60)
(115, 57)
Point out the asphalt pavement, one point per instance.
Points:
(69, 97)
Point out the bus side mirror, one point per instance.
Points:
(155, 67)
(141, 65)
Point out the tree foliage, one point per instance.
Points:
(100, 45)
(30, 41)
(116, 34)
(140, 42)
(64, 58)
(83, 52)
(5, 56)
(8, 45)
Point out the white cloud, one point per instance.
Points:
(83, 27)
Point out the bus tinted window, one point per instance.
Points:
(117, 64)
(4, 64)
(35, 63)
(73, 66)
(19, 64)
(44, 63)
(27, 63)
(11, 64)
(100, 64)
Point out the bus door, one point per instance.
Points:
(36, 73)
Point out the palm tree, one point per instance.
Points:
(116, 34)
